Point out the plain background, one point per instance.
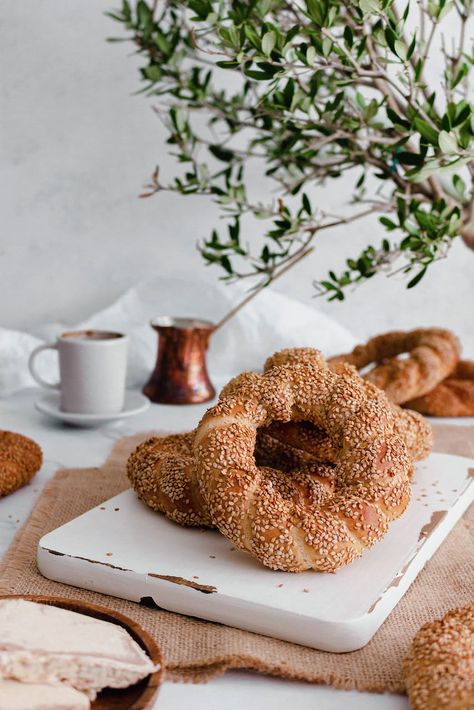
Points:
(76, 148)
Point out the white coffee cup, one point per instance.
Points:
(92, 367)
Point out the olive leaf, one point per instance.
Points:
(301, 93)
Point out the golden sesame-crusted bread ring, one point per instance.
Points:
(453, 397)
(281, 519)
(162, 473)
(439, 668)
(432, 356)
(20, 459)
(411, 426)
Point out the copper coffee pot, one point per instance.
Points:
(180, 375)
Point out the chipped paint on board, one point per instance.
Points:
(205, 588)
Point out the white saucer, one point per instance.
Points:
(135, 403)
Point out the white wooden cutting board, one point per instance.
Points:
(124, 549)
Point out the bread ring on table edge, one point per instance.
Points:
(20, 459)
(439, 668)
(288, 522)
(432, 356)
(453, 397)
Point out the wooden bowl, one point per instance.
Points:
(137, 697)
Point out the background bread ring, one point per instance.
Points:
(20, 459)
(432, 356)
(439, 668)
(453, 397)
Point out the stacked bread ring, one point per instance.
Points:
(430, 379)
(303, 466)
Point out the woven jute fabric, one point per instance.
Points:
(196, 650)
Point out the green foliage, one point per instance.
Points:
(308, 91)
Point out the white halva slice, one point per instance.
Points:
(35, 696)
(45, 644)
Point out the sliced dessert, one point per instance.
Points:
(46, 644)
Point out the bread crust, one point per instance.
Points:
(162, 472)
(432, 355)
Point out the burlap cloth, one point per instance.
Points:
(196, 650)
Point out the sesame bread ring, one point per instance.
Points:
(439, 668)
(453, 397)
(281, 519)
(20, 459)
(432, 356)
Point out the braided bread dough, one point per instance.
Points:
(20, 459)
(296, 522)
(439, 668)
(453, 397)
(432, 356)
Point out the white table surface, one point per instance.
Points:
(65, 446)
